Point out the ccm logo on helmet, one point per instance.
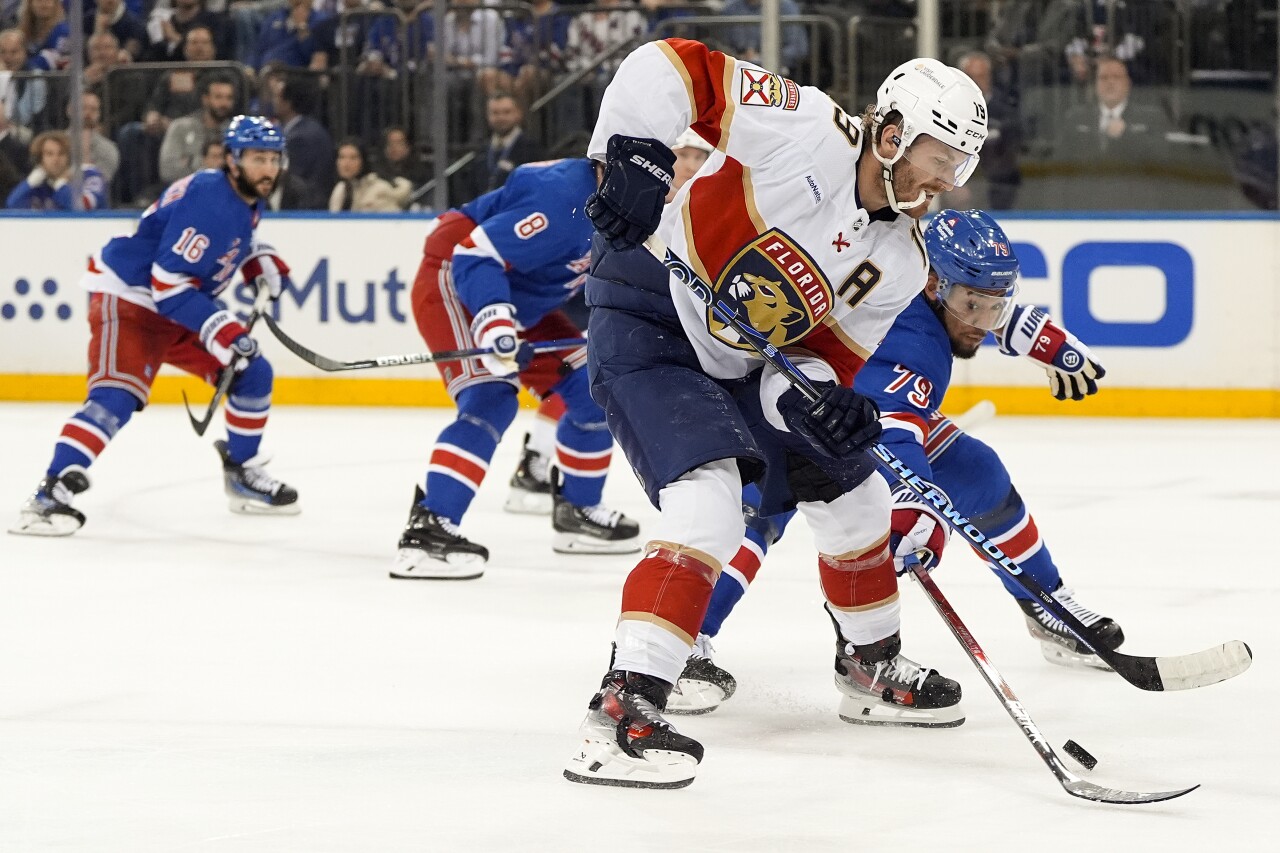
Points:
(657, 171)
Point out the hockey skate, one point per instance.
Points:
(432, 549)
(702, 686)
(626, 742)
(251, 490)
(1059, 645)
(48, 512)
(590, 529)
(530, 485)
(881, 686)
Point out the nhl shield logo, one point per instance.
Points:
(776, 287)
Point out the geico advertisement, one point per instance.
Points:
(1165, 303)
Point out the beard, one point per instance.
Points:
(959, 349)
(251, 190)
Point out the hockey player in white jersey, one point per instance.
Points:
(799, 221)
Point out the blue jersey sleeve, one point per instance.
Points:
(519, 240)
(907, 409)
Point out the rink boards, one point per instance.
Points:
(1182, 311)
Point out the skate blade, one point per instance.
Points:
(1056, 653)
(602, 762)
(248, 506)
(523, 502)
(692, 697)
(869, 711)
(30, 524)
(413, 564)
(576, 543)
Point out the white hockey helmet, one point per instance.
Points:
(934, 100)
(689, 139)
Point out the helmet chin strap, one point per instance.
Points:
(886, 174)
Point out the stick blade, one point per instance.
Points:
(1089, 791)
(1186, 672)
(196, 424)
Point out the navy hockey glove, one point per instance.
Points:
(915, 526)
(1073, 371)
(841, 424)
(628, 205)
(227, 340)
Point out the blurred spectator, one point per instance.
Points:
(168, 27)
(691, 152)
(1114, 126)
(24, 98)
(182, 151)
(308, 144)
(45, 31)
(744, 39)
(508, 147)
(14, 162)
(95, 148)
(214, 154)
(48, 186)
(359, 188)
(368, 40)
(534, 52)
(293, 193)
(287, 37)
(1000, 172)
(398, 159)
(102, 53)
(473, 39)
(113, 17)
(593, 33)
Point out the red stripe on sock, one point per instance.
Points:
(90, 440)
(242, 422)
(671, 587)
(465, 467)
(858, 583)
(746, 562)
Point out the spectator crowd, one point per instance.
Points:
(350, 82)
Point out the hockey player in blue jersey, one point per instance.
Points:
(152, 303)
(971, 290)
(494, 274)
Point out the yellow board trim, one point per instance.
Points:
(325, 391)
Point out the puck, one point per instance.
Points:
(1076, 751)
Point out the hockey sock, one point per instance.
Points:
(86, 433)
(738, 575)
(583, 444)
(862, 591)
(462, 453)
(1021, 542)
(248, 405)
(664, 602)
(542, 435)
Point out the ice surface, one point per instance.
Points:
(177, 678)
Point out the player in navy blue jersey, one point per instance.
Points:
(494, 274)
(971, 290)
(152, 303)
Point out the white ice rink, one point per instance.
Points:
(177, 678)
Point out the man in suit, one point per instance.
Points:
(508, 146)
(1114, 126)
(310, 147)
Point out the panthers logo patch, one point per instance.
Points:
(774, 286)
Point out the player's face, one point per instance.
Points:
(257, 173)
(931, 167)
(965, 338)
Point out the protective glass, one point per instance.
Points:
(940, 161)
(982, 309)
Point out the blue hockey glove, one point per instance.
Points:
(628, 205)
(1073, 371)
(841, 424)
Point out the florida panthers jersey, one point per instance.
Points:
(532, 240)
(907, 377)
(191, 241)
(774, 220)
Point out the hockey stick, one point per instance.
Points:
(1074, 785)
(975, 416)
(229, 372)
(1178, 672)
(320, 361)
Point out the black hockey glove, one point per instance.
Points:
(628, 205)
(841, 424)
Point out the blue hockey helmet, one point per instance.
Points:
(246, 133)
(975, 265)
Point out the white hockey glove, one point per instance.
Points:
(37, 177)
(495, 327)
(264, 268)
(1073, 371)
(916, 527)
(227, 340)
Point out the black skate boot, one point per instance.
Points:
(1060, 646)
(625, 740)
(432, 549)
(251, 490)
(530, 484)
(48, 512)
(590, 529)
(703, 686)
(881, 686)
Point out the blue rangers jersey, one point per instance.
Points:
(186, 250)
(532, 242)
(907, 377)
